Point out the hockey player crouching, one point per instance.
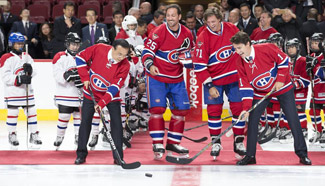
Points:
(17, 74)
(103, 69)
(261, 69)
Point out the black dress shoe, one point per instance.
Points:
(80, 160)
(247, 160)
(305, 160)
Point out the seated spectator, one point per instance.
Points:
(145, 11)
(6, 20)
(65, 24)
(264, 31)
(134, 11)
(234, 16)
(258, 9)
(158, 19)
(46, 38)
(247, 23)
(117, 25)
(198, 13)
(29, 30)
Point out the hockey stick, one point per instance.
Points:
(109, 138)
(184, 161)
(194, 140)
(27, 89)
(273, 134)
(312, 92)
(204, 124)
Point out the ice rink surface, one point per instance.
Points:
(162, 175)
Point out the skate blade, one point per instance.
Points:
(177, 155)
(57, 148)
(158, 155)
(214, 158)
(238, 157)
(12, 147)
(34, 146)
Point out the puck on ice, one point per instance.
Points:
(148, 175)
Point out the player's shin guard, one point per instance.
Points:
(270, 116)
(32, 119)
(214, 119)
(157, 125)
(12, 119)
(176, 128)
(76, 122)
(62, 124)
(95, 124)
(318, 119)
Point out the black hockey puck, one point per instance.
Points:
(148, 175)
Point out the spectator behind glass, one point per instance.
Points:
(134, 12)
(198, 13)
(6, 20)
(258, 9)
(309, 27)
(145, 11)
(116, 26)
(247, 22)
(46, 37)
(234, 16)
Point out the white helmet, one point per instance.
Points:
(129, 20)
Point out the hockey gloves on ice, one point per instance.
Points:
(23, 79)
(71, 75)
(28, 69)
(310, 64)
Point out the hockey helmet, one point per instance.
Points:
(129, 20)
(293, 42)
(72, 43)
(277, 39)
(16, 37)
(316, 37)
(103, 39)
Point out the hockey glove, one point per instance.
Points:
(133, 82)
(70, 75)
(310, 64)
(28, 69)
(23, 79)
(78, 83)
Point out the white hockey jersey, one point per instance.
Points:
(11, 65)
(66, 93)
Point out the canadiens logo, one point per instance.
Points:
(263, 81)
(199, 44)
(173, 56)
(99, 83)
(224, 54)
(155, 36)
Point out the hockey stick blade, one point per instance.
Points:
(182, 161)
(133, 165)
(196, 140)
(268, 138)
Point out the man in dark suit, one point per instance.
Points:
(63, 25)
(309, 27)
(6, 21)
(93, 30)
(117, 26)
(303, 7)
(28, 29)
(198, 13)
(247, 22)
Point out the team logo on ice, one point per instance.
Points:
(173, 56)
(99, 83)
(263, 81)
(224, 54)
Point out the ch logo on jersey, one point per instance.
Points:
(263, 81)
(173, 56)
(224, 54)
(99, 83)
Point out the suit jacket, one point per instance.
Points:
(60, 30)
(251, 25)
(8, 24)
(98, 33)
(112, 34)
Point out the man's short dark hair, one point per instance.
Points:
(91, 9)
(21, 11)
(158, 13)
(245, 4)
(312, 13)
(178, 8)
(69, 3)
(212, 12)
(121, 42)
(240, 38)
(141, 22)
(117, 12)
(189, 15)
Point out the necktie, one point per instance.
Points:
(245, 24)
(5, 16)
(26, 27)
(194, 35)
(92, 35)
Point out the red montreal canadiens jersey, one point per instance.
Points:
(266, 65)
(106, 76)
(214, 56)
(258, 33)
(319, 85)
(300, 79)
(163, 47)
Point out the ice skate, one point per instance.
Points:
(316, 135)
(35, 140)
(94, 140)
(76, 139)
(13, 140)
(239, 147)
(143, 124)
(215, 149)
(158, 150)
(58, 142)
(322, 139)
(286, 137)
(181, 152)
(278, 134)
(134, 125)
(305, 133)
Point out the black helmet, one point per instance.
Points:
(277, 39)
(294, 42)
(103, 39)
(317, 37)
(72, 37)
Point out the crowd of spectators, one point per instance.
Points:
(291, 18)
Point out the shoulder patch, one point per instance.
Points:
(58, 56)
(4, 58)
